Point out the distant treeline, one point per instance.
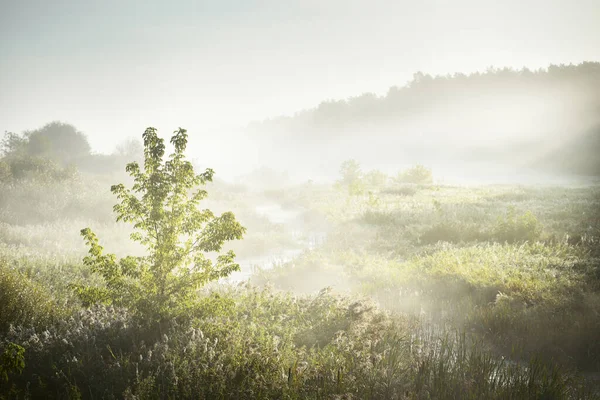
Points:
(548, 118)
(56, 151)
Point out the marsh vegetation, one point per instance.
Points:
(374, 286)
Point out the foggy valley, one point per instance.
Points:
(296, 200)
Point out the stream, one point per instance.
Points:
(291, 220)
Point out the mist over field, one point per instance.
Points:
(503, 122)
(300, 200)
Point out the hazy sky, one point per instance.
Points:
(114, 67)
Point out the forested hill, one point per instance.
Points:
(547, 119)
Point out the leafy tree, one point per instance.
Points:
(163, 206)
(58, 141)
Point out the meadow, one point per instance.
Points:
(412, 291)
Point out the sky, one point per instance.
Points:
(112, 68)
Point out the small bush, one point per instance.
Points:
(513, 228)
(12, 362)
(416, 174)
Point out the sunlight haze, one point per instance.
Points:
(114, 67)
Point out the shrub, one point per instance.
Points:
(516, 228)
(418, 174)
(351, 178)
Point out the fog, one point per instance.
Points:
(514, 125)
(300, 199)
(113, 69)
(302, 86)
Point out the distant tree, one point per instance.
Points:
(351, 177)
(12, 144)
(59, 149)
(46, 153)
(58, 141)
(416, 174)
(163, 206)
(130, 148)
(350, 171)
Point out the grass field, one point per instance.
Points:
(413, 292)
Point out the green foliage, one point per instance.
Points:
(514, 228)
(35, 203)
(257, 344)
(427, 256)
(162, 285)
(24, 167)
(20, 162)
(12, 361)
(22, 301)
(418, 174)
(53, 151)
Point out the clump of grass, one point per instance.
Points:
(453, 232)
(374, 217)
